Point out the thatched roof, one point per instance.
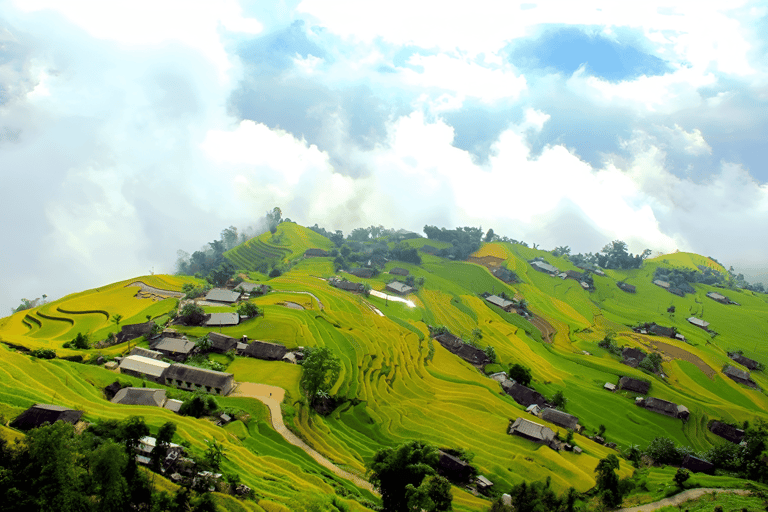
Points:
(635, 385)
(264, 350)
(39, 414)
(221, 342)
(531, 430)
(738, 375)
(199, 376)
(744, 361)
(660, 330)
(455, 345)
(523, 395)
(661, 406)
(728, 432)
(697, 465)
(560, 418)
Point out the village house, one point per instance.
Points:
(40, 414)
(145, 352)
(397, 271)
(523, 395)
(560, 418)
(632, 356)
(453, 468)
(545, 267)
(252, 289)
(144, 368)
(696, 465)
(663, 284)
(347, 285)
(222, 319)
(315, 253)
(629, 288)
(175, 349)
(455, 345)
(727, 432)
(221, 343)
(609, 386)
(505, 275)
(660, 406)
(140, 396)
(533, 432)
(744, 361)
(365, 273)
(660, 330)
(506, 305)
(191, 378)
(483, 484)
(634, 385)
(265, 350)
(739, 376)
(699, 322)
(722, 299)
(399, 288)
(147, 445)
(572, 274)
(222, 295)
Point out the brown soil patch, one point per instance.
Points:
(674, 352)
(490, 262)
(546, 329)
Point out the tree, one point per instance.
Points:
(229, 237)
(248, 309)
(107, 464)
(214, 454)
(434, 494)
(116, 318)
(131, 430)
(559, 400)
(221, 274)
(608, 481)
(490, 353)
(163, 439)
(81, 341)
(320, 370)
(520, 374)
(681, 476)
(393, 469)
(192, 314)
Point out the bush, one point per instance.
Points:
(248, 309)
(192, 314)
(81, 341)
(275, 272)
(681, 476)
(520, 374)
(43, 353)
(663, 451)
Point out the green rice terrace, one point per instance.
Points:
(397, 383)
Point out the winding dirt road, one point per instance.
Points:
(677, 499)
(272, 396)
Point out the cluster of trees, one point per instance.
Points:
(320, 371)
(613, 255)
(408, 480)
(28, 304)
(464, 241)
(53, 468)
(537, 497)
(209, 262)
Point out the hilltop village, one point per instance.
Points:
(387, 370)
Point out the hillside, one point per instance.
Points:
(398, 384)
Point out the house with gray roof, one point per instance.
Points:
(634, 385)
(662, 284)
(523, 395)
(191, 378)
(456, 345)
(348, 286)
(545, 267)
(739, 376)
(221, 343)
(365, 273)
(506, 305)
(629, 288)
(144, 368)
(40, 414)
(398, 271)
(533, 432)
(399, 288)
(660, 406)
(698, 322)
(140, 396)
(632, 356)
(697, 465)
(222, 295)
(265, 350)
(141, 351)
(176, 349)
(560, 418)
(222, 319)
(132, 331)
(744, 361)
(727, 432)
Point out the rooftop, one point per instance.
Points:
(222, 295)
(145, 365)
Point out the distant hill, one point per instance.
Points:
(290, 241)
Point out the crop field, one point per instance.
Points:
(396, 384)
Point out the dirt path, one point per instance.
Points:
(677, 499)
(546, 329)
(272, 396)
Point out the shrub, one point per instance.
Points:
(520, 374)
(248, 309)
(43, 353)
(81, 341)
(681, 476)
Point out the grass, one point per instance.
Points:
(390, 393)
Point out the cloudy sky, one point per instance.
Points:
(129, 130)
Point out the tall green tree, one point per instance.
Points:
(320, 370)
(392, 470)
(608, 481)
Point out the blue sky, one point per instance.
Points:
(128, 131)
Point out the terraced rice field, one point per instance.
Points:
(396, 384)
